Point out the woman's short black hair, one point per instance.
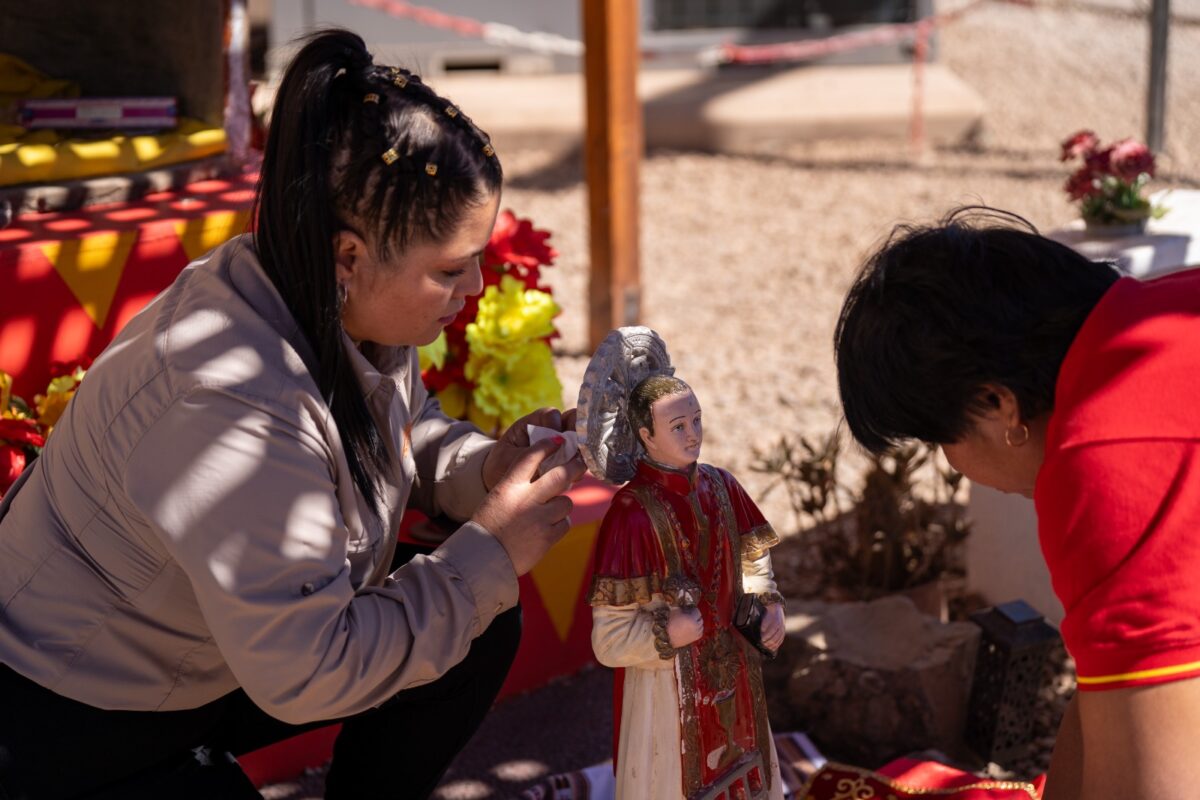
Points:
(941, 310)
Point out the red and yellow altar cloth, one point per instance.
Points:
(70, 280)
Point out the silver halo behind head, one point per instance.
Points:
(626, 357)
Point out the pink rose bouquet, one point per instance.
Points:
(1109, 184)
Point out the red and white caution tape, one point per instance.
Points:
(810, 49)
(554, 44)
(492, 32)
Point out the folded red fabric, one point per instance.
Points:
(914, 782)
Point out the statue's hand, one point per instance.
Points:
(772, 626)
(685, 626)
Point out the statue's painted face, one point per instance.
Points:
(678, 433)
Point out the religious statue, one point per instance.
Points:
(684, 603)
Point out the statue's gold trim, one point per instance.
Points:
(608, 591)
(757, 541)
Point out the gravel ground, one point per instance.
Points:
(745, 259)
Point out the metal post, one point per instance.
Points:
(916, 129)
(1160, 18)
(237, 84)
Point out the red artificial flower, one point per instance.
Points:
(1130, 158)
(457, 351)
(1080, 144)
(12, 463)
(60, 368)
(515, 243)
(1099, 162)
(21, 432)
(491, 275)
(1081, 184)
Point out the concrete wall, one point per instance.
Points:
(1004, 559)
(130, 47)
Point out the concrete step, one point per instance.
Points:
(744, 111)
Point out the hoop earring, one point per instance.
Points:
(342, 294)
(1008, 440)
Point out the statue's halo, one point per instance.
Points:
(626, 357)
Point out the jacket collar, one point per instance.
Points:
(371, 364)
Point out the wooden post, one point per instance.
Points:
(612, 151)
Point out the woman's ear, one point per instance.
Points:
(1001, 403)
(349, 253)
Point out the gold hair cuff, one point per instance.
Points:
(489, 151)
(452, 111)
(399, 79)
(389, 156)
(431, 169)
(371, 97)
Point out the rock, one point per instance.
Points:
(871, 681)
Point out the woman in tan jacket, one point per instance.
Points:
(204, 558)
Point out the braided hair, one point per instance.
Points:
(357, 146)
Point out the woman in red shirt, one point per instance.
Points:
(1045, 374)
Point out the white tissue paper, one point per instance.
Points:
(563, 454)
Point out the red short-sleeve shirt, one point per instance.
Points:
(1118, 495)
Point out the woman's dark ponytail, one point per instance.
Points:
(296, 224)
(369, 148)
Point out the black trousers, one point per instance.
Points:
(52, 747)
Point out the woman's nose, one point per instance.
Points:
(472, 281)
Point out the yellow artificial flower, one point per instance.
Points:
(510, 386)
(509, 362)
(5, 392)
(51, 405)
(488, 423)
(509, 317)
(434, 353)
(454, 399)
